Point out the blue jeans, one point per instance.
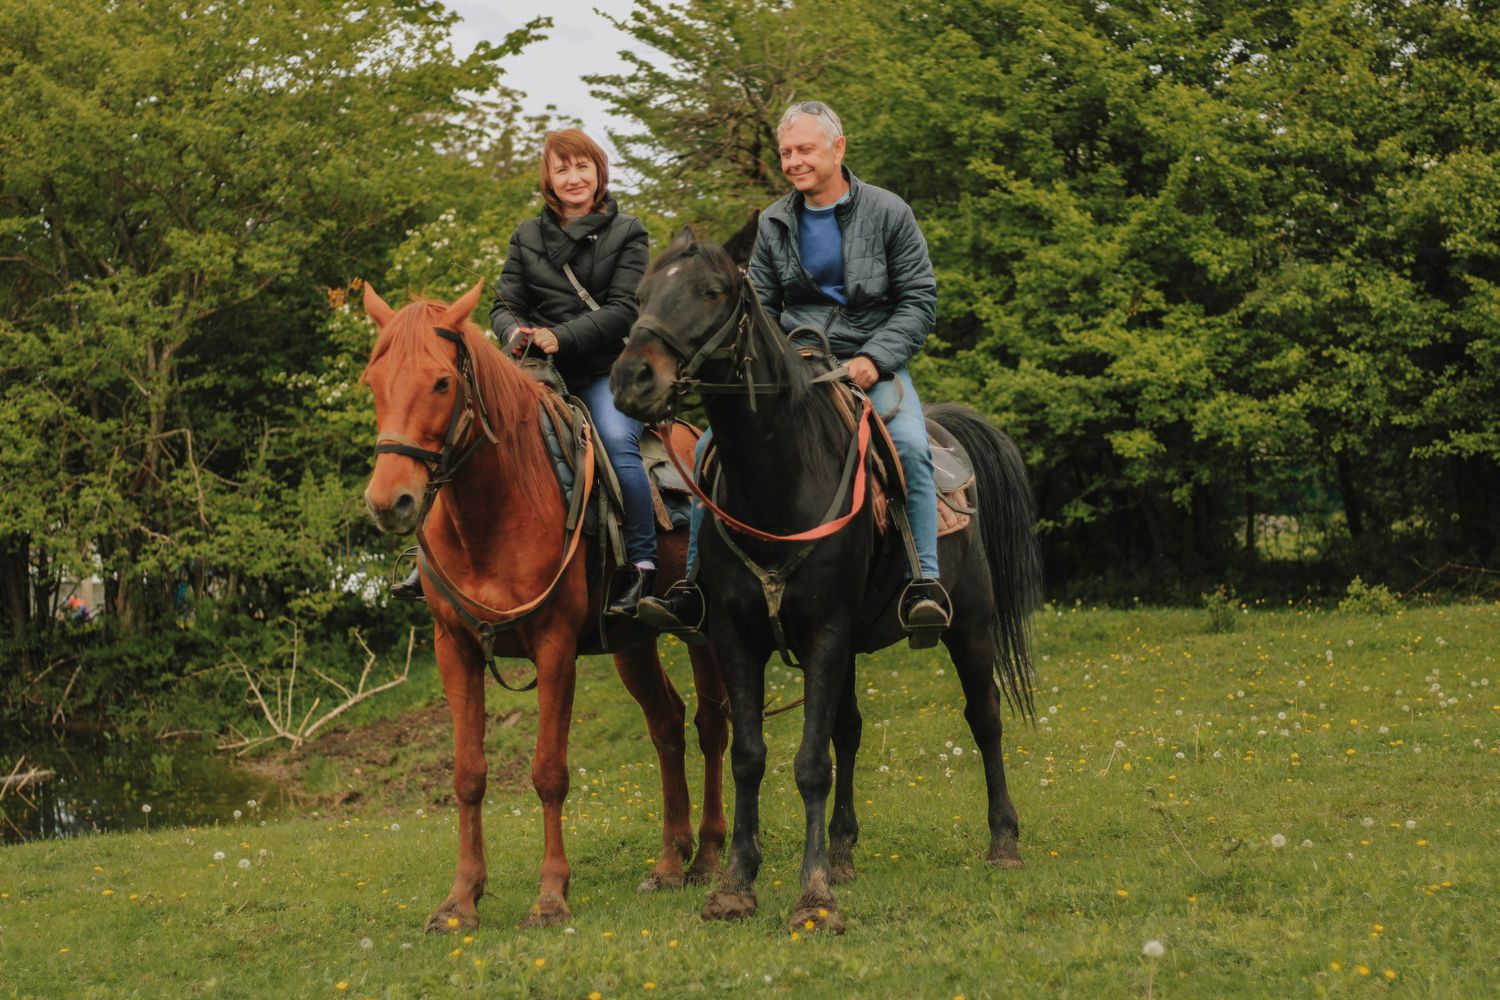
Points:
(622, 439)
(909, 432)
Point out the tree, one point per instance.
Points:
(181, 185)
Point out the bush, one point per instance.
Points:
(1222, 608)
(1369, 599)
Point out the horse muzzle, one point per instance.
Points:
(643, 380)
(395, 512)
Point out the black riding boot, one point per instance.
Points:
(409, 589)
(642, 582)
(925, 613)
(678, 612)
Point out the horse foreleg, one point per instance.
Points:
(745, 676)
(843, 828)
(712, 722)
(640, 669)
(549, 776)
(973, 652)
(458, 659)
(824, 670)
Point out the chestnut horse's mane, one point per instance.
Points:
(510, 397)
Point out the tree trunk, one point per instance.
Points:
(1353, 506)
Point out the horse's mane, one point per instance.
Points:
(509, 396)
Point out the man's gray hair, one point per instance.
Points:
(827, 120)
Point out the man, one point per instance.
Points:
(847, 258)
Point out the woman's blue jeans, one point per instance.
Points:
(622, 439)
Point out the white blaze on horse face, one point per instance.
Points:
(673, 269)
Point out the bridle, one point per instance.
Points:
(730, 342)
(468, 409)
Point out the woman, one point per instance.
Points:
(537, 303)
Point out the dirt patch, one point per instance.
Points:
(396, 764)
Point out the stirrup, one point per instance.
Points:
(923, 612)
(659, 613)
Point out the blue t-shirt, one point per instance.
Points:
(822, 246)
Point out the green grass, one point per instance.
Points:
(1162, 732)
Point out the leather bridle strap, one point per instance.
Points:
(859, 447)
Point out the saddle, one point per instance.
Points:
(562, 419)
(952, 472)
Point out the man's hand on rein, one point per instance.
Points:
(862, 371)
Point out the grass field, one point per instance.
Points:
(1306, 806)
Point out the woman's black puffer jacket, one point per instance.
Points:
(608, 252)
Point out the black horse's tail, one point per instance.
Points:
(1006, 520)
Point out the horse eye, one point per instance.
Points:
(712, 292)
(443, 383)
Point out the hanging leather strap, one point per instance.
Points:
(859, 446)
(583, 293)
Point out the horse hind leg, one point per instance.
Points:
(843, 827)
(712, 722)
(640, 668)
(973, 650)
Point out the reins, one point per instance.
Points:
(468, 409)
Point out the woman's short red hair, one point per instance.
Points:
(569, 142)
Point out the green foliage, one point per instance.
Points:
(1222, 608)
(1369, 599)
(181, 186)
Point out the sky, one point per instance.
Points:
(548, 72)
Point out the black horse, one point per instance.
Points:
(782, 450)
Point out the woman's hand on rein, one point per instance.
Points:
(542, 338)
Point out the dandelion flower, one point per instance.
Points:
(1363, 970)
(540, 963)
(1389, 973)
(342, 984)
(1153, 949)
(452, 921)
(1335, 966)
(1122, 893)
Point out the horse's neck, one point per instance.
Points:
(490, 508)
(761, 453)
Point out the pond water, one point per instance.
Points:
(101, 783)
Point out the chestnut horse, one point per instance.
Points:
(462, 461)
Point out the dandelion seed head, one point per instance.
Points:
(1153, 949)
(244, 863)
(1277, 840)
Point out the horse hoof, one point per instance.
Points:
(1004, 854)
(547, 911)
(817, 918)
(656, 881)
(723, 905)
(449, 921)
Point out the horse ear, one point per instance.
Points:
(457, 314)
(742, 244)
(376, 308)
(685, 235)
